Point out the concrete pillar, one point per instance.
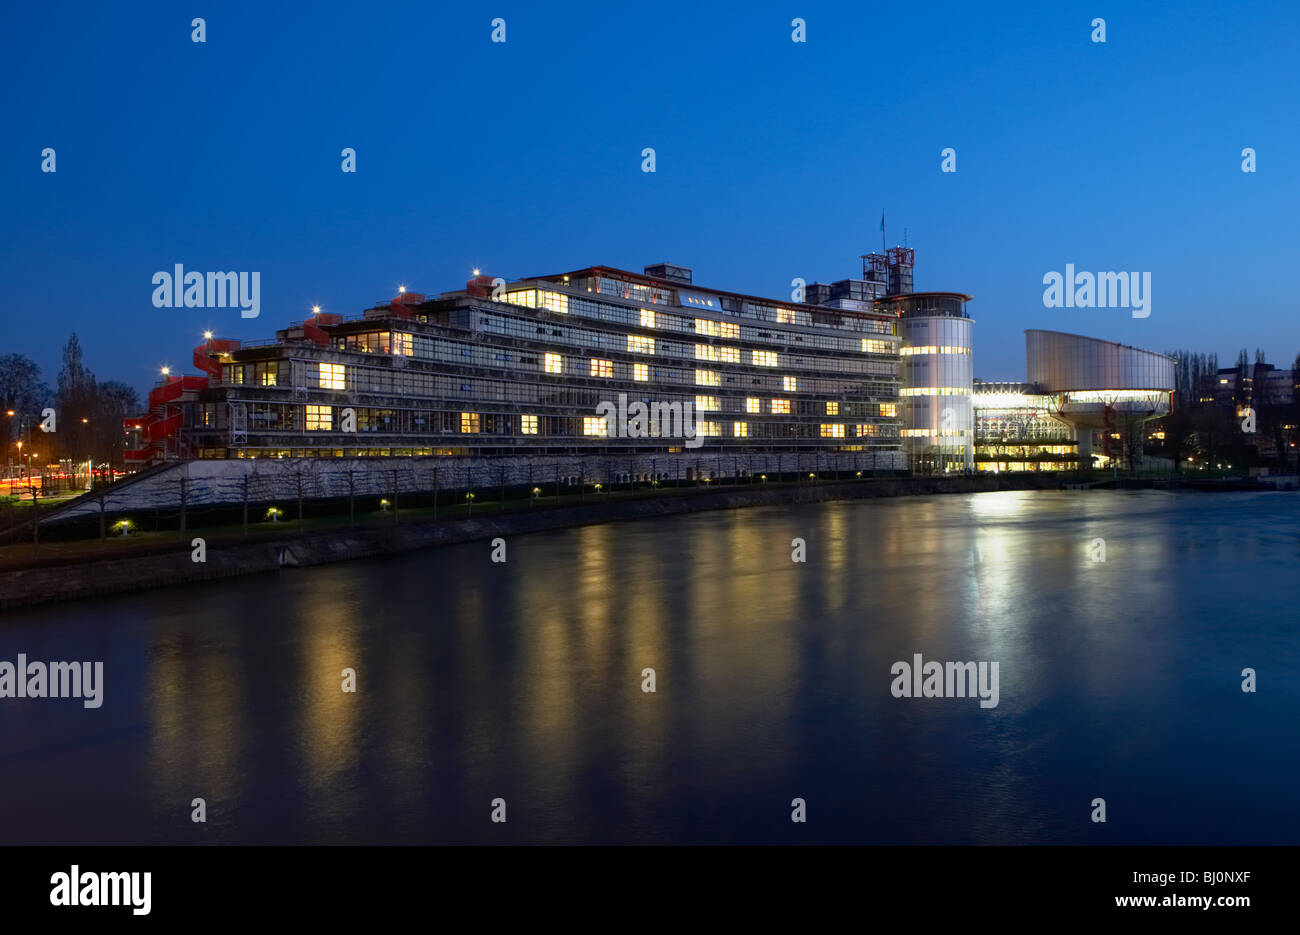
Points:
(1083, 434)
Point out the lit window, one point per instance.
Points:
(874, 346)
(753, 404)
(554, 363)
(602, 368)
(641, 372)
(729, 355)
(595, 425)
(707, 378)
(555, 301)
(469, 422)
(789, 384)
(647, 318)
(706, 326)
(527, 297)
(889, 409)
(528, 425)
(781, 406)
(784, 316)
(708, 428)
(868, 430)
(402, 344)
(331, 376)
(764, 358)
(833, 431)
(705, 352)
(740, 429)
(707, 404)
(728, 329)
(319, 419)
(832, 408)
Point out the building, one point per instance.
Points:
(568, 364)
(1016, 431)
(1085, 404)
(935, 370)
(1100, 389)
(937, 378)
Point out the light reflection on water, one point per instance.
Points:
(523, 681)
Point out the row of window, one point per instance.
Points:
(332, 376)
(934, 391)
(534, 330)
(320, 418)
(654, 318)
(933, 349)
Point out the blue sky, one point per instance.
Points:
(774, 159)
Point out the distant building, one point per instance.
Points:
(1016, 431)
(1085, 404)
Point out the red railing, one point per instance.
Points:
(170, 390)
(204, 353)
(165, 428)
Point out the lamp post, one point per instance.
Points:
(9, 458)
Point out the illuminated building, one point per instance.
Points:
(520, 369)
(1081, 391)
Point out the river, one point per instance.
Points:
(523, 681)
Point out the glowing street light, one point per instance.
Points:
(207, 335)
(166, 371)
(401, 290)
(315, 309)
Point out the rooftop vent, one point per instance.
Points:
(668, 271)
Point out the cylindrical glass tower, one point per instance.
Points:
(937, 375)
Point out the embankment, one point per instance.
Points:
(90, 576)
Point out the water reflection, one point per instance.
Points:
(524, 680)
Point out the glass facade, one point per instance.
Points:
(530, 370)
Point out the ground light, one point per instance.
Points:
(383, 504)
(123, 527)
(274, 513)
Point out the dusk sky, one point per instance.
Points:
(775, 159)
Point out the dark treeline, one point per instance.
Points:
(1207, 419)
(88, 413)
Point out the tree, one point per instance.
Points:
(21, 391)
(75, 404)
(114, 402)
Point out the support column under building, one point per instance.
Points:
(1083, 435)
